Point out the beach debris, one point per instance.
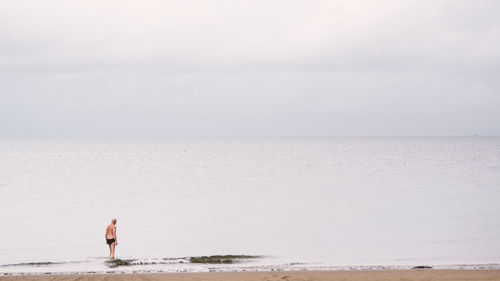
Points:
(422, 267)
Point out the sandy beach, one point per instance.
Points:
(386, 275)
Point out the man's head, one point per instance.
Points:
(113, 221)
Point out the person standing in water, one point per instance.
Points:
(111, 239)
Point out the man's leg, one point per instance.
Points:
(113, 250)
(110, 251)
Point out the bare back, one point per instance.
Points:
(111, 232)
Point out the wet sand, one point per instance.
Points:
(379, 275)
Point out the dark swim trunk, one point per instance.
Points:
(110, 241)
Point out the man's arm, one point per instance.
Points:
(114, 234)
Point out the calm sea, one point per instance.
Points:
(299, 203)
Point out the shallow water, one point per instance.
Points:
(318, 202)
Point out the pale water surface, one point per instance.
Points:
(302, 203)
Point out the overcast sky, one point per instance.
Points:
(249, 68)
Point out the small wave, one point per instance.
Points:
(145, 261)
(46, 263)
(41, 264)
(217, 259)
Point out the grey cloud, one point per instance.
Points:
(249, 68)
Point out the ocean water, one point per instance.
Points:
(306, 203)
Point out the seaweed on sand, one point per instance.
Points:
(118, 262)
(422, 267)
(221, 259)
